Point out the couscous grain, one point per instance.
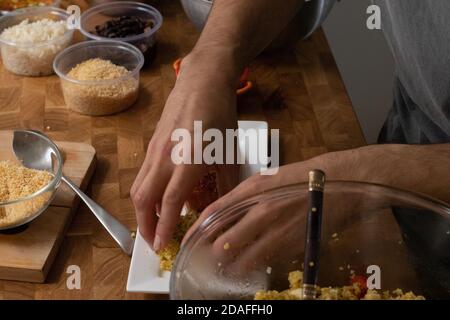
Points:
(351, 292)
(100, 98)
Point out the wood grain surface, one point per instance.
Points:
(297, 90)
(27, 253)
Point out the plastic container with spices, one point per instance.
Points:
(101, 93)
(118, 21)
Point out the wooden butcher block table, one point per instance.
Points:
(298, 91)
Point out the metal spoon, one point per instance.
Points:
(35, 151)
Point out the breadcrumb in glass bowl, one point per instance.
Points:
(17, 182)
(24, 193)
(396, 238)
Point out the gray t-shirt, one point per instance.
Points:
(418, 32)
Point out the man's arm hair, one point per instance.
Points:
(238, 30)
(418, 168)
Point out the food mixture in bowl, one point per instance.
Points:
(356, 291)
(102, 98)
(18, 182)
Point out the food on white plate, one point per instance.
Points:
(168, 254)
(204, 193)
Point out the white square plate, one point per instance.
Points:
(145, 274)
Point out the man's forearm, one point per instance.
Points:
(419, 168)
(238, 30)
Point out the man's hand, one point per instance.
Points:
(161, 186)
(286, 175)
(236, 31)
(269, 228)
(407, 167)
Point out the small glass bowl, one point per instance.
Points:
(28, 208)
(254, 244)
(30, 59)
(100, 97)
(145, 42)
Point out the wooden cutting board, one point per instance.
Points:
(27, 254)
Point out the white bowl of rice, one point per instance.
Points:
(31, 38)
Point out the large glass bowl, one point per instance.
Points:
(254, 244)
